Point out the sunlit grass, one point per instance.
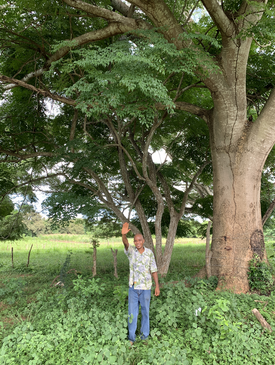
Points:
(50, 251)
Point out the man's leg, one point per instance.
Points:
(145, 305)
(133, 309)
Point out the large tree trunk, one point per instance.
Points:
(238, 159)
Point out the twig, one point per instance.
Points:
(263, 302)
(68, 272)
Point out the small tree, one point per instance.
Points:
(11, 225)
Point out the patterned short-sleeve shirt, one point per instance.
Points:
(142, 265)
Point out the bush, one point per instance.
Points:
(260, 276)
(87, 324)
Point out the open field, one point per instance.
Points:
(49, 253)
(85, 322)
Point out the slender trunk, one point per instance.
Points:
(158, 233)
(208, 252)
(145, 227)
(163, 264)
(166, 257)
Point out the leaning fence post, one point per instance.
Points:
(29, 256)
(12, 257)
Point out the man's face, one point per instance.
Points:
(138, 241)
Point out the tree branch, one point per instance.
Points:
(122, 8)
(27, 155)
(219, 17)
(95, 10)
(181, 105)
(111, 29)
(32, 181)
(190, 187)
(268, 212)
(249, 13)
(108, 201)
(163, 18)
(45, 93)
(264, 127)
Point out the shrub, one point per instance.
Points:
(260, 276)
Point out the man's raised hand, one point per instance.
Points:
(125, 228)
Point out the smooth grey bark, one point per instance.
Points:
(239, 150)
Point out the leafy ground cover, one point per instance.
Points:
(85, 321)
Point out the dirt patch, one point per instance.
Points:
(186, 283)
(7, 321)
(23, 275)
(31, 299)
(3, 306)
(11, 321)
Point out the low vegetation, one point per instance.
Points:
(83, 320)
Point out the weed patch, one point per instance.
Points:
(260, 276)
(85, 321)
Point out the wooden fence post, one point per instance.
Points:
(114, 253)
(29, 256)
(94, 257)
(12, 257)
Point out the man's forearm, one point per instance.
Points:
(155, 277)
(125, 241)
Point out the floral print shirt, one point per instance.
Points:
(142, 265)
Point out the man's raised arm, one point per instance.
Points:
(124, 231)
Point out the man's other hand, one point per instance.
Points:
(157, 291)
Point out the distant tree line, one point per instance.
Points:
(25, 221)
(16, 223)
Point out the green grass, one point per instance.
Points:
(22, 289)
(49, 253)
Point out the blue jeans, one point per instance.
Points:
(138, 297)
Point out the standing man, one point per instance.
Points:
(142, 266)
